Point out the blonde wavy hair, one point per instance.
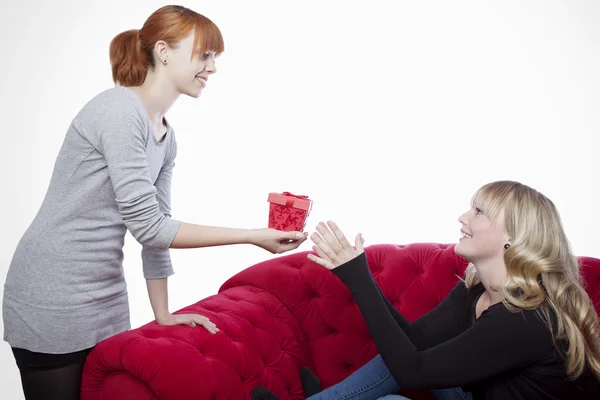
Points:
(542, 272)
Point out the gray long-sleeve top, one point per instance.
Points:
(65, 289)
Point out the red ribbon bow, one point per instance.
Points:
(290, 202)
(298, 196)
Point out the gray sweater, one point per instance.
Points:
(65, 289)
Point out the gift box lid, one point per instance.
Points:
(290, 200)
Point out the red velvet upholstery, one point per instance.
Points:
(275, 317)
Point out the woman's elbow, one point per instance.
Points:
(151, 233)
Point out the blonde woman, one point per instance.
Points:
(519, 327)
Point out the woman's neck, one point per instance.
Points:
(158, 95)
(491, 274)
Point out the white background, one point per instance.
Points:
(388, 114)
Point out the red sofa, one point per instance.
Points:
(273, 318)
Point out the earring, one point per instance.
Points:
(506, 246)
(164, 62)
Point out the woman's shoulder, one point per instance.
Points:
(531, 320)
(117, 105)
(116, 99)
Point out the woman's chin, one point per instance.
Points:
(460, 251)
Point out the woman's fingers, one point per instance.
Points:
(339, 235)
(359, 242)
(206, 323)
(323, 246)
(321, 261)
(320, 253)
(194, 320)
(287, 246)
(329, 238)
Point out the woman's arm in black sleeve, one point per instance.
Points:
(440, 324)
(498, 341)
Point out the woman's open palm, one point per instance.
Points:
(332, 247)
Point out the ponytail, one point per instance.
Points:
(128, 60)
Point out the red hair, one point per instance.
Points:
(131, 52)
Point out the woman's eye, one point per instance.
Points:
(478, 211)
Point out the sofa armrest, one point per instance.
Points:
(258, 342)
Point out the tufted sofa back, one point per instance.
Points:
(275, 317)
(334, 339)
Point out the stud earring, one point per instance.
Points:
(506, 246)
(165, 62)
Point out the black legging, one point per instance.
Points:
(50, 376)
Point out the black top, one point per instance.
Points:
(501, 355)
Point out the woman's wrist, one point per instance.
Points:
(194, 236)
(251, 236)
(161, 318)
(158, 294)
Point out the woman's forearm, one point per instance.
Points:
(159, 297)
(193, 236)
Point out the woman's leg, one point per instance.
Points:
(451, 394)
(440, 394)
(50, 376)
(393, 397)
(369, 382)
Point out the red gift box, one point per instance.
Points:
(288, 212)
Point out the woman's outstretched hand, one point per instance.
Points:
(332, 247)
(276, 241)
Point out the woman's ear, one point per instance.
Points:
(161, 50)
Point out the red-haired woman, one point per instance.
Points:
(65, 290)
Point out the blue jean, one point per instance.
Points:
(373, 381)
